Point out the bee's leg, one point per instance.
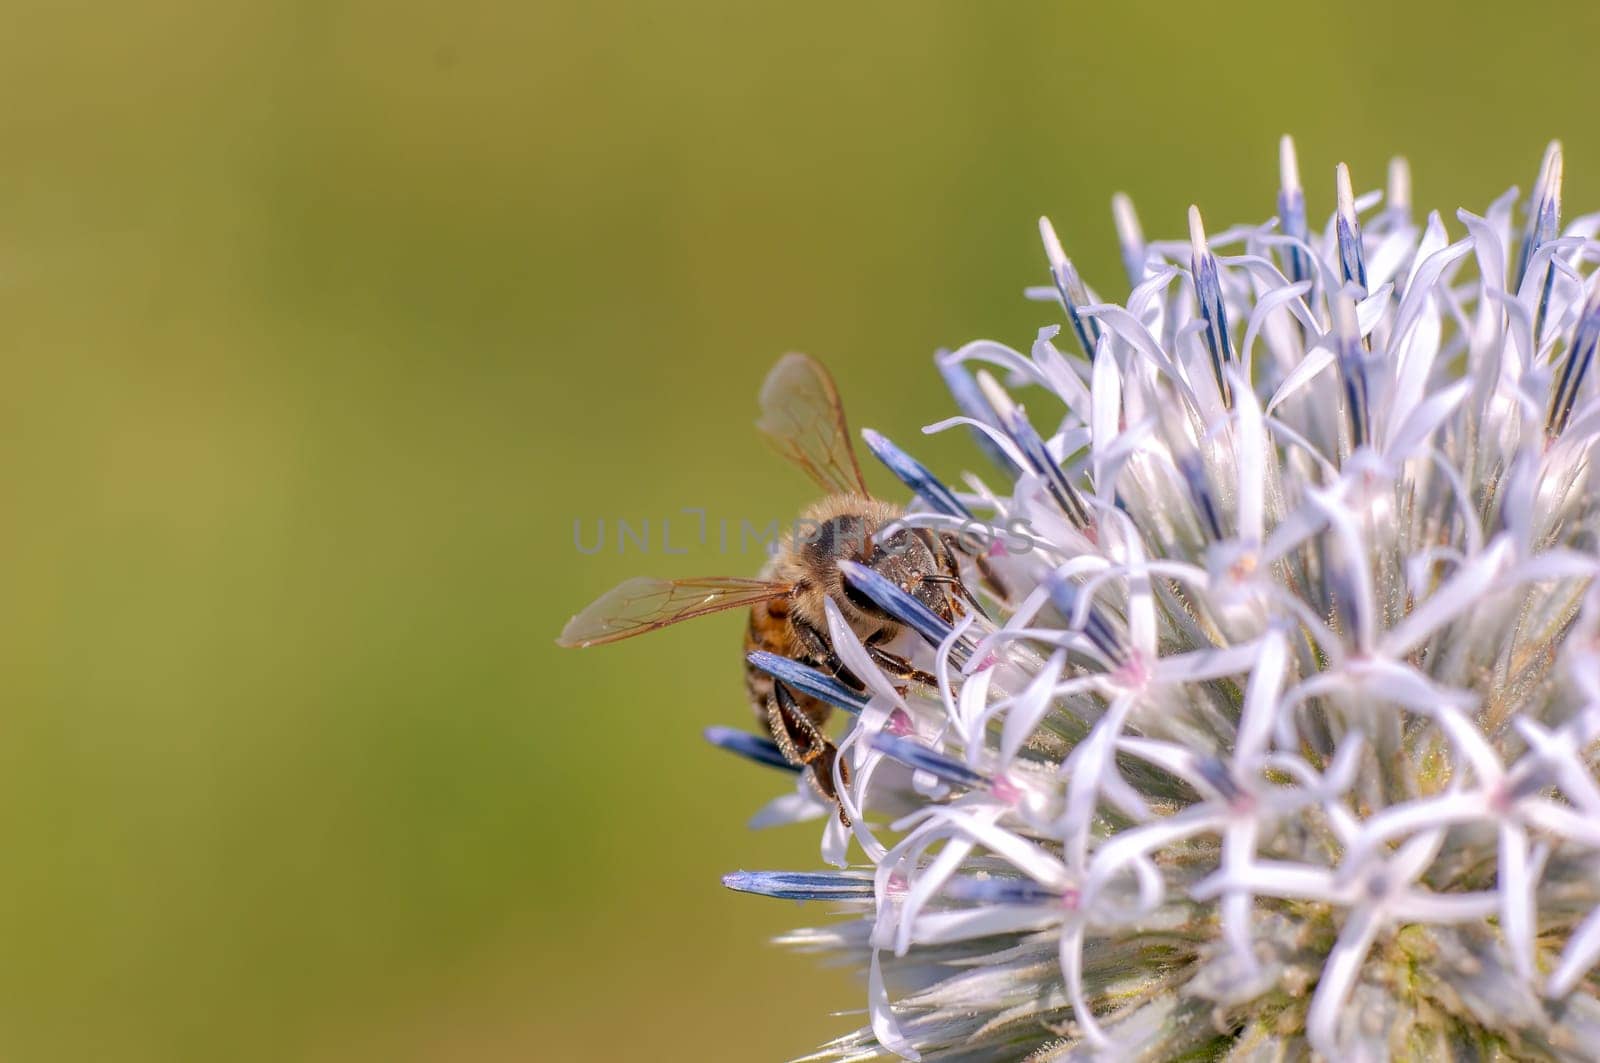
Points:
(789, 735)
(821, 654)
(802, 742)
(896, 666)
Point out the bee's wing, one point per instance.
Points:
(802, 416)
(644, 604)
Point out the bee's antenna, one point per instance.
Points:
(971, 599)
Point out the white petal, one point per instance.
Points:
(1423, 420)
(971, 717)
(1415, 855)
(1406, 686)
(1261, 697)
(799, 807)
(1129, 329)
(1390, 255)
(854, 656)
(1184, 763)
(1455, 597)
(1561, 820)
(942, 665)
(884, 1026)
(1316, 360)
(1141, 603)
(1022, 854)
(938, 928)
(1250, 457)
(1369, 311)
(1423, 813)
(1030, 707)
(1272, 878)
(998, 354)
(1085, 769)
(1441, 909)
(1071, 960)
(1106, 411)
(1001, 440)
(1348, 552)
(1516, 884)
(1123, 847)
(1582, 950)
(1058, 374)
(1207, 664)
(931, 880)
(1270, 300)
(1338, 978)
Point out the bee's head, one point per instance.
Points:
(913, 559)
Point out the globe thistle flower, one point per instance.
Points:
(1278, 741)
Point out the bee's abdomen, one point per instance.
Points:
(770, 631)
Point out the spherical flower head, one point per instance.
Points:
(1274, 734)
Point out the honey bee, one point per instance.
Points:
(804, 419)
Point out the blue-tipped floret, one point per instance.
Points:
(915, 475)
(1397, 195)
(1575, 366)
(1352, 357)
(1021, 430)
(1064, 596)
(1194, 477)
(1544, 212)
(896, 601)
(802, 885)
(1347, 230)
(808, 680)
(996, 890)
(751, 747)
(1292, 211)
(1544, 225)
(971, 402)
(1130, 236)
(1069, 289)
(1208, 290)
(915, 755)
(1214, 770)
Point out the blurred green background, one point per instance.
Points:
(323, 322)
